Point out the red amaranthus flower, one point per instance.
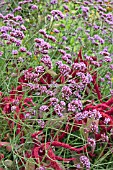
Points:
(15, 103)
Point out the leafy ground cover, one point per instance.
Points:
(56, 85)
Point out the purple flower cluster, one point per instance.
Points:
(49, 37)
(17, 34)
(13, 29)
(105, 52)
(34, 7)
(43, 89)
(25, 2)
(64, 77)
(106, 120)
(56, 30)
(66, 7)
(41, 46)
(33, 86)
(41, 123)
(66, 92)
(56, 13)
(47, 61)
(80, 116)
(85, 9)
(97, 37)
(40, 69)
(41, 168)
(64, 69)
(94, 127)
(53, 101)
(88, 58)
(58, 110)
(44, 108)
(67, 58)
(23, 49)
(75, 106)
(92, 142)
(96, 114)
(14, 52)
(30, 75)
(85, 161)
(79, 66)
(88, 114)
(104, 137)
(1, 53)
(86, 79)
(53, 2)
(19, 8)
(107, 59)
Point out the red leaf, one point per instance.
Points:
(96, 87)
(79, 58)
(62, 79)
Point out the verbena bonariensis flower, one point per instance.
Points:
(44, 108)
(75, 105)
(25, 2)
(94, 127)
(14, 52)
(1, 53)
(106, 120)
(92, 143)
(56, 30)
(64, 69)
(58, 13)
(52, 38)
(79, 66)
(41, 123)
(61, 90)
(34, 7)
(41, 168)
(66, 7)
(47, 61)
(40, 69)
(85, 9)
(53, 101)
(97, 37)
(85, 161)
(66, 92)
(43, 32)
(23, 28)
(13, 29)
(107, 59)
(58, 110)
(22, 49)
(62, 103)
(41, 45)
(66, 57)
(62, 51)
(53, 2)
(85, 78)
(104, 137)
(19, 8)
